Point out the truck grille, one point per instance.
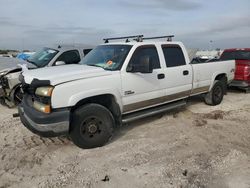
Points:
(30, 89)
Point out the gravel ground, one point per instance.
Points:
(197, 146)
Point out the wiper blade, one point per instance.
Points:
(98, 66)
(32, 62)
(94, 65)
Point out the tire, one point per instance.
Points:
(224, 81)
(2, 102)
(92, 126)
(18, 96)
(247, 90)
(215, 96)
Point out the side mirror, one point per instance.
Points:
(60, 63)
(144, 66)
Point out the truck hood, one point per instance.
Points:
(66, 73)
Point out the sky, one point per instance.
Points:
(32, 24)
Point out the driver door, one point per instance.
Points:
(141, 90)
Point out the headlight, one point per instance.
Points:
(3, 73)
(45, 108)
(44, 91)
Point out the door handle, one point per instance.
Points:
(185, 72)
(161, 76)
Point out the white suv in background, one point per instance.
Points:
(10, 91)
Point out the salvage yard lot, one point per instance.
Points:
(196, 146)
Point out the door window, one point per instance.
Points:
(86, 51)
(141, 53)
(70, 57)
(173, 56)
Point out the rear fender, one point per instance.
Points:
(217, 76)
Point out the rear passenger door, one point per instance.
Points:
(141, 90)
(178, 74)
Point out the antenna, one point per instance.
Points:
(138, 38)
(169, 38)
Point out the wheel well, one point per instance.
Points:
(106, 100)
(14, 91)
(223, 78)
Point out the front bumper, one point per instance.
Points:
(45, 125)
(239, 83)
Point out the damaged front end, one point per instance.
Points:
(10, 89)
(3, 83)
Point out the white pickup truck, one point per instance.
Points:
(114, 84)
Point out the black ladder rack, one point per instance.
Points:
(138, 38)
(169, 38)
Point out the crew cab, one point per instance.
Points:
(114, 84)
(242, 73)
(10, 91)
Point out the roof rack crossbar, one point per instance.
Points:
(169, 37)
(136, 37)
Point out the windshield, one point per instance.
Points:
(232, 55)
(108, 57)
(42, 57)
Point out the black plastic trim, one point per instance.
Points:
(42, 118)
(39, 118)
(239, 83)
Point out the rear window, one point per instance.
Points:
(232, 55)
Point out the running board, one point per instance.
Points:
(152, 111)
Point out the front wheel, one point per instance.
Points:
(2, 101)
(18, 96)
(92, 126)
(215, 96)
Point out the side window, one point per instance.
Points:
(70, 57)
(86, 51)
(141, 53)
(173, 56)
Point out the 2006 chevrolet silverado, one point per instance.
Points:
(114, 84)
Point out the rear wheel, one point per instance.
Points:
(92, 126)
(215, 96)
(247, 90)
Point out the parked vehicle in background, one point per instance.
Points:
(116, 83)
(6, 55)
(242, 73)
(24, 55)
(203, 59)
(10, 91)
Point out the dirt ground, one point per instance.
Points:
(197, 146)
